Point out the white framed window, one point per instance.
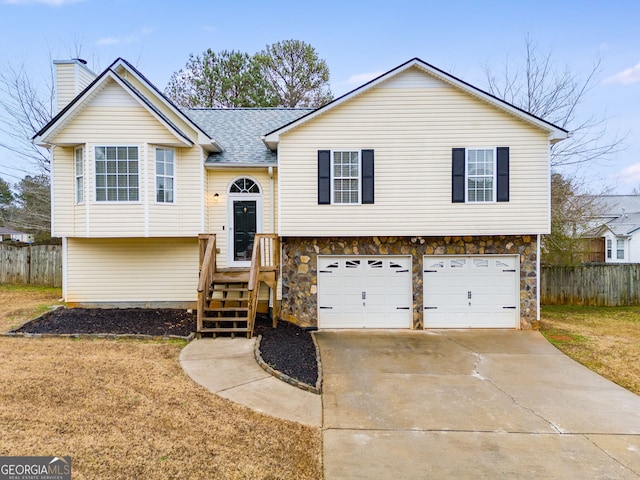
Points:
(481, 168)
(345, 177)
(117, 178)
(165, 175)
(244, 185)
(78, 164)
(609, 248)
(620, 249)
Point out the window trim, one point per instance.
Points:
(494, 175)
(172, 177)
(138, 174)
(79, 190)
(609, 249)
(358, 179)
(620, 241)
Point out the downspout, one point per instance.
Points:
(272, 201)
(538, 251)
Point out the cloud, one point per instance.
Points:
(51, 3)
(124, 39)
(360, 78)
(630, 174)
(625, 77)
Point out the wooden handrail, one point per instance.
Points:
(207, 269)
(265, 256)
(208, 264)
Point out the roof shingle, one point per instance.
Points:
(238, 130)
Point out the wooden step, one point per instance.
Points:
(227, 309)
(230, 277)
(218, 287)
(225, 330)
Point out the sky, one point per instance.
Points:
(358, 39)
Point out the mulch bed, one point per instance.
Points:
(121, 321)
(288, 348)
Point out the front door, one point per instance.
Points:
(244, 229)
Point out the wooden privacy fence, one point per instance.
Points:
(31, 264)
(607, 285)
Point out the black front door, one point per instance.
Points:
(244, 229)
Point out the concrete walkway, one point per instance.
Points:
(228, 368)
(470, 404)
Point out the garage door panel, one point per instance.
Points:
(384, 282)
(471, 291)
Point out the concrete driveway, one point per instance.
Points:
(470, 404)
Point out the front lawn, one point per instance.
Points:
(19, 303)
(605, 339)
(124, 409)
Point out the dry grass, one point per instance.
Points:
(125, 409)
(605, 339)
(19, 303)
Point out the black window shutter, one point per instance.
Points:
(324, 177)
(503, 174)
(457, 175)
(367, 176)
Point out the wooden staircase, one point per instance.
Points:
(228, 307)
(228, 299)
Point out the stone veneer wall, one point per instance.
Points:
(299, 267)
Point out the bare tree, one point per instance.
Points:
(30, 210)
(25, 108)
(555, 94)
(573, 220)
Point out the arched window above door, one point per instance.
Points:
(244, 185)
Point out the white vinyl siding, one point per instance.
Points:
(164, 175)
(65, 84)
(99, 124)
(413, 131)
(78, 156)
(219, 181)
(132, 270)
(481, 168)
(345, 177)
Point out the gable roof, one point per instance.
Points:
(67, 114)
(11, 231)
(616, 205)
(624, 225)
(240, 131)
(619, 214)
(555, 133)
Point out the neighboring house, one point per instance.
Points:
(8, 234)
(414, 201)
(616, 227)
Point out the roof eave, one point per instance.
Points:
(201, 133)
(240, 165)
(44, 137)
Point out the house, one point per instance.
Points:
(9, 234)
(414, 201)
(615, 227)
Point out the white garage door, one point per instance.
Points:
(364, 292)
(471, 291)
